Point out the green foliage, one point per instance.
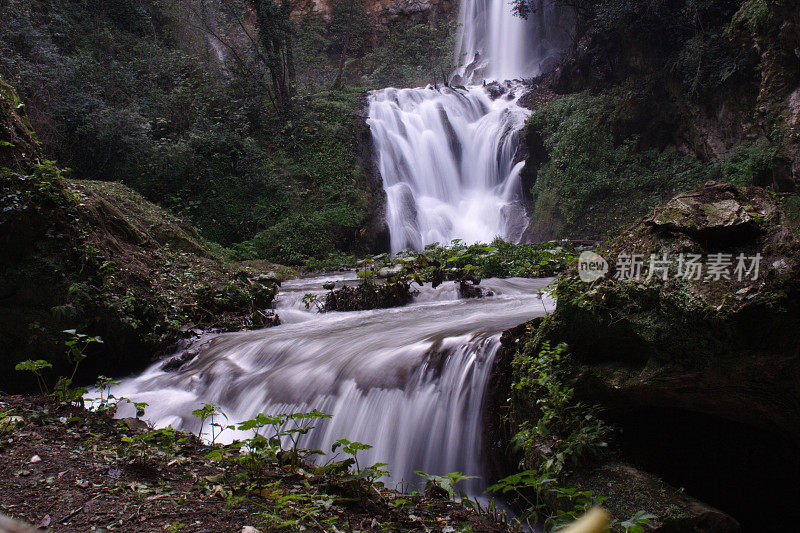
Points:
(210, 412)
(637, 523)
(749, 163)
(350, 469)
(166, 441)
(529, 487)
(563, 432)
(592, 184)
(137, 103)
(447, 482)
(752, 15)
(332, 262)
(37, 368)
(266, 446)
(412, 56)
(318, 202)
(76, 345)
(460, 261)
(551, 506)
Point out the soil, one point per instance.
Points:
(65, 469)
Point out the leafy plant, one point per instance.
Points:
(106, 401)
(576, 503)
(447, 482)
(37, 368)
(570, 431)
(636, 523)
(271, 434)
(76, 344)
(528, 486)
(207, 412)
(350, 471)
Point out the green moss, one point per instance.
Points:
(591, 184)
(753, 15)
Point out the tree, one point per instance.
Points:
(275, 37)
(348, 29)
(271, 46)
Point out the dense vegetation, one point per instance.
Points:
(166, 480)
(592, 184)
(177, 100)
(656, 97)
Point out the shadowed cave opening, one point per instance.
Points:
(749, 472)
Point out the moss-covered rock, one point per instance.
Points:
(369, 295)
(683, 367)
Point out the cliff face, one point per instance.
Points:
(415, 11)
(699, 374)
(655, 98)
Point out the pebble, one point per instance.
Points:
(35, 459)
(250, 529)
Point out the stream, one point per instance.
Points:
(409, 381)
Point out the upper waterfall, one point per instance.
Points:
(447, 156)
(495, 44)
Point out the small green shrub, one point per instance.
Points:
(560, 432)
(37, 368)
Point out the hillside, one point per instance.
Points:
(96, 256)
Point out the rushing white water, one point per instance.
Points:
(410, 381)
(447, 156)
(494, 44)
(447, 161)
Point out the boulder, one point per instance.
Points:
(713, 212)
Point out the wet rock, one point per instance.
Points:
(388, 272)
(697, 374)
(135, 424)
(174, 363)
(468, 289)
(630, 489)
(495, 90)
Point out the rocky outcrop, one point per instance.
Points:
(410, 11)
(699, 372)
(376, 232)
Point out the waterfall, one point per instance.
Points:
(447, 161)
(447, 155)
(495, 44)
(408, 381)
